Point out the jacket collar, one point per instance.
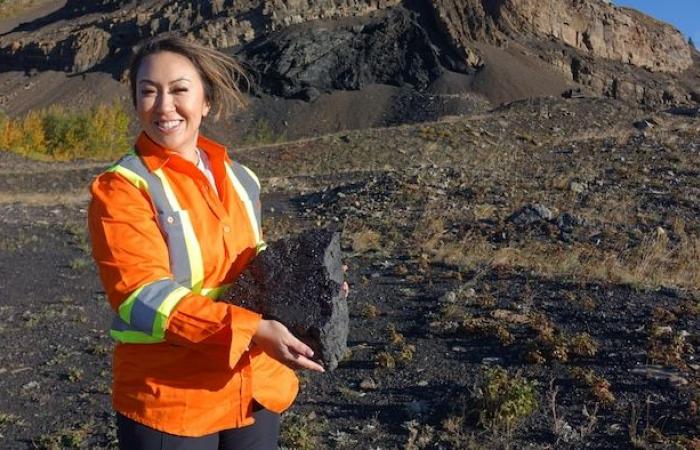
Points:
(156, 156)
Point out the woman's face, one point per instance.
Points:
(170, 101)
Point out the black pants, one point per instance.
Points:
(262, 435)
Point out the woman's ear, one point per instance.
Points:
(206, 109)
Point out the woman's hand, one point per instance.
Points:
(276, 340)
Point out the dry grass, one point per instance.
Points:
(655, 262)
(12, 8)
(365, 241)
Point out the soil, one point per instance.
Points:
(404, 197)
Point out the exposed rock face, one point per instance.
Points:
(583, 38)
(390, 49)
(374, 41)
(298, 282)
(284, 13)
(600, 29)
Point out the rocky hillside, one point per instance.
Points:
(501, 50)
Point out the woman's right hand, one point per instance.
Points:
(276, 340)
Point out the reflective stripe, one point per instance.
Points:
(164, 310)
(169, 194)
(148, 308)
(183, 248)
(194, 262)
(135, 179)
(216, 292)
(249, 192)
(120, 331)
(128, 304)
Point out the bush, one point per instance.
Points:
(504, 400)
(59, 134)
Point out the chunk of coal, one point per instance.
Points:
(297, 281)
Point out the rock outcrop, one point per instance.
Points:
(297, 281)
(301, 47)
(391, 48)
(600, 29)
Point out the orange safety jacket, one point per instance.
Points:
(166, 245)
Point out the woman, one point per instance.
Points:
(172, 224)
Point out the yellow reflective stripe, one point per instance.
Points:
(216, 292)
(164, 310)
(243, 195)
(135, 179)
(262, 245)
(125, 307)
(134, 337)
(194, 251)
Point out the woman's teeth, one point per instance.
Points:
(168, 125)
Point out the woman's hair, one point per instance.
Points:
(220, 73)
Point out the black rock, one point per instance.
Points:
(530, 214)
(297, 281)
(388, 47)
(683, 111)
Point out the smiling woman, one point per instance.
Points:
(173, 224)
(170, 102)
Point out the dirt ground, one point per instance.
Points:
(550, 238)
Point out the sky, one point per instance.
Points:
(682, 14)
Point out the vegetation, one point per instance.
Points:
(66, 438)
(56, 133)
(300, 431)
(504, 400)
(261, 132)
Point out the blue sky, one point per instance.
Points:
(682, 14)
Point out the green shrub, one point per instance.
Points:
(56, 133)
(261, 132)
(300, 432)
(504, 400)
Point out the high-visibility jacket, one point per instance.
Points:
(166, 245)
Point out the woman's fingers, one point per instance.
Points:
(300, 354)
(299, 348)
(278, 342)
(305, 363)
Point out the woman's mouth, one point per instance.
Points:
(167, 126)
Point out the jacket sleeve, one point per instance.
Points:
(133, 262)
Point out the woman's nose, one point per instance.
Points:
(164, 103)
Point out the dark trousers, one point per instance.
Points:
(262, 435)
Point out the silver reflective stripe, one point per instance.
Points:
(247, 187)
(145, 308)
(251, 186)
(119, 325)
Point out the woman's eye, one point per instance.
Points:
(148, 92)
(176, 90)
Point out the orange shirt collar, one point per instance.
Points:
(156, 156)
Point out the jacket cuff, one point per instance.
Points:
(244, 324)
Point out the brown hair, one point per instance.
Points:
(220, 74)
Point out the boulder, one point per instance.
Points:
(297, 281)
(529, 214)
